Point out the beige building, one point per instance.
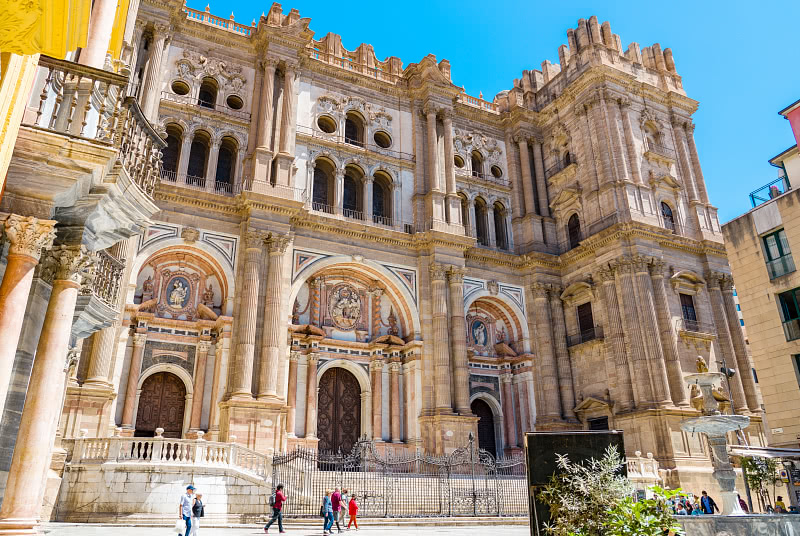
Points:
(760, 245)
(335, 246)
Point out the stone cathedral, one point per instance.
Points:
(330, 247)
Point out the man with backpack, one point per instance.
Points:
(276, 501)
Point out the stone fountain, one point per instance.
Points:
(715, 426)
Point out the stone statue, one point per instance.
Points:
(177, 295)
(296, 312)
(208, 296)
(393, 330)
(696, 398)
(501, 334)
(147, 289)
(701, 364)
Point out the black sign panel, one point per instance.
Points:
(541, 449)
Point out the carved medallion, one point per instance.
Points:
(178, 292)
(345, 307)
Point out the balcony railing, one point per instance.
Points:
(685, 324)
(90, 104)
(660, 150)
(337, 137)
(352, 214)
(586, 335)
(780, 266)
(199, 183)
(322, 207)
(194, 101)
(559, 166)
(106, 280)
(486, 177)
(770, 190)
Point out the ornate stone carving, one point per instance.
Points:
(29, 235)
(438, 271)
(190, 234)
(345, 306)
(493, 287)
(455, 275)
(277, 244)
(540, 290)
(606, 273)
(465, 142)
(203, 346)
(69, 263)
(254, 240)
(197, 65)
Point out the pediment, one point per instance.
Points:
(687, 281)
(591, 403)
(565, 197)
(667, 181)
(576, 291)
(427, 72)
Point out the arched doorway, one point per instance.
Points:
(339, 411)
(485, 416)
(161, 405)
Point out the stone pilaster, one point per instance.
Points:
(685, 166)
(203, 347)
(376, 376)
(433, 175)
(550, 412)
(311, 396)
(633, 158)
(453, 200)
(394, 402)
(263, 152)
(669, 342)
(291, 395)
(565, 382)
(274, 327)
(132, 386)
(150, 95)
(615, 339)
(285, 157)
(241, 370)
(458, 340)
(632, 325)
(743, 361)
(527, 179)
(724, 338)
(698, 171)
(509, 429)
(541, 181)
(24, 491)
(441, 346)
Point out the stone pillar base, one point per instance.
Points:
(257, 425)
(283, 169)
(442, 434)
(512, 451)
(556, 425)
(310, 443)
(87, 407)
(261, 163)
(18, 527)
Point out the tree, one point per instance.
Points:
(761, 473)
(647, 517)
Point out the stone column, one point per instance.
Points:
(458, 340)
(27, 237)
(211, 169)
(430, 114)
(101, 23)
(490, 226)
(150, 93)
(510, 436)
(100, 357)
(291, 395)
(265, 105)
(394, 401)
(274, 324)
(255, 110)
(376, 373)
(441, 347)
(527, 179)
(649, 326)
(633, 158)
(241, 371)
(199, 384)
(643, 391)
(548, 377)
(289, 111)
(685, 166)
(311, 396)
(473, 231)
(615, 339)
(517, 196)
(183, 159)
(541, 180)
(669, 342)
(565, 383)
(139, 341)
(24, 491)
(700, 182)
(368, 186)
(338, 192)
(453, 200)
(743, 360)
(724, 338)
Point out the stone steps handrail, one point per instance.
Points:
(154, 450)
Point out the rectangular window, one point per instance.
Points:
(598, 423)
(777, 254)
(585, 320)
(688, 312)
(796, 359)
(790, 313)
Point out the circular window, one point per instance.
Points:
(234, 102)
(382, 139)
(326, 124)
(179, 87)
(458, 161)
(497, 172)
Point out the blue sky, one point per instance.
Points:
(739, 59)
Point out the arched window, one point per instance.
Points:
(574, 231)
(322, 189)
(381, 199)
(207, 96)
(171, 154)
(465, 214)
(500, 226)
(481, 227)
(226, 162)
(477, 164)
(352, 202)
(198, 158)
(669, 219)
(354, 129)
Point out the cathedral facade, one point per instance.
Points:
(345, 247)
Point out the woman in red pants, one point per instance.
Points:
(352, 511)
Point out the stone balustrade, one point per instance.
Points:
(106, 281)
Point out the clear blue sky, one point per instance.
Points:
(741, 60)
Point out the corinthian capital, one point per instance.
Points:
(277, 244)
(438, 271)
(657, 268)
(540, 290)
(203, 347)
(430, 108)
(139, 339)
(606, 274)
(28, 235)
(455, 274)
(254, 240)
(70, 263)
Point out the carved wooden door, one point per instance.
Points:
(339, 411)
(161, 405)
(486, 439)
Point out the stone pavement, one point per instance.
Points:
(58, 529)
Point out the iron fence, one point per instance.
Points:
(467, 482)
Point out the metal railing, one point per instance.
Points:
(686, 324)
(660, 150)
(352, 214)
(559, 166)
(200, 183)
(322, 207)
(585, 335)
(382, 220)
(781, 266)
(770, 190)
(486, 177)
(90, 104)
(467, 482)
(194, 101)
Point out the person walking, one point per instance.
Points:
(277, 501)
(780, 506)
(345, 501)
(707, 504)
(198, 511)
(185, 509)
(327, 513)
(742, 504)
(336, 503)
(352, 509)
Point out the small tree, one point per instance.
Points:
(647, 517)
(762, 473)
(580, 495)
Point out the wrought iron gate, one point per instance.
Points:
(468, 482)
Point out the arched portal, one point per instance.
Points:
(486, 428)
(161, 405)
(338, 410)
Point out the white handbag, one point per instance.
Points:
(180, 526)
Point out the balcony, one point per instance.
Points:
(780, 266)
(770, 191)
(200, 183)
(84, 152)
(559, 166)
(694, 326)
(791, 328)
(580, 337)
(202, 105)
(655, 151)
(352, 144)
(483, 177)
(97, 304)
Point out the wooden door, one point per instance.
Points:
(339, 411)
(486, 439)
(161, 405)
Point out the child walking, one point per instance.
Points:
(352, 511)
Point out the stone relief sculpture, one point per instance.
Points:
(345, 307)
(178, 294)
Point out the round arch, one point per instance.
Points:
(497, 414)
(507, 306)
(363, 382)
(184, 376)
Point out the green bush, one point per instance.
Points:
(647, 517)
